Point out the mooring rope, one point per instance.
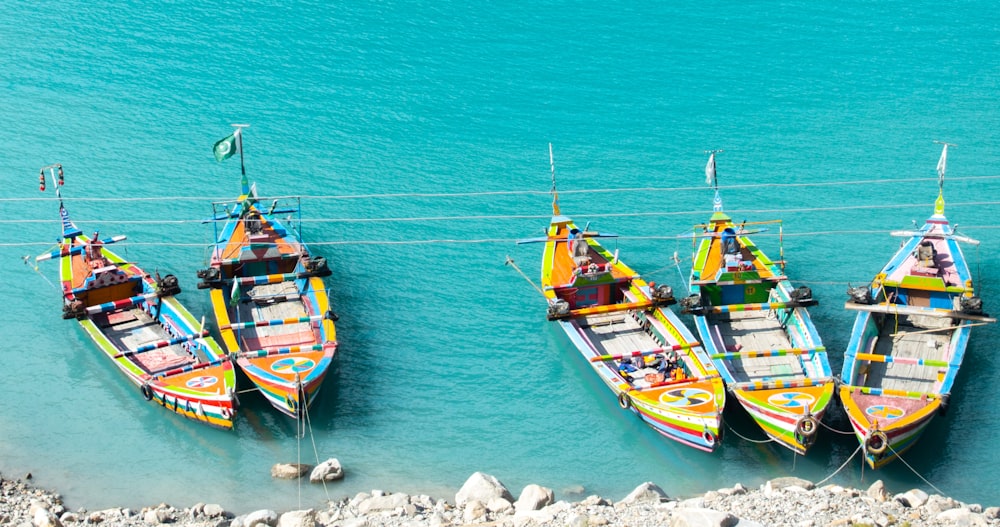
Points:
(40, 273)
(830, 428)
(835, 472)
(511, 263)
(899, 457)
(755, 441)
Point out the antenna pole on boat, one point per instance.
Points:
(555, 194)
(941, 167)
(712, 178)
(239, 146)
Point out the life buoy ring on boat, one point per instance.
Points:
(805, 428)
(592, 268)
(624, 401)
(147, 392)
(226, 413)
(877, 443)
(292, 404)
(709, 437)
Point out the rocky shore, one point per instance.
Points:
(485, 501)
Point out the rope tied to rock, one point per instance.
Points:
(929, 484)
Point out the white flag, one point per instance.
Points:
(710, 170)
(942, 164)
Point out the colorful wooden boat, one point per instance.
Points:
(137, 322)
(757, 331)
(269, 300)
(622, 327)
(909, 337)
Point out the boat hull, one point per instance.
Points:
(909, 339)
(192, 377)
(611, 312)
(272, 308)
(758, 333)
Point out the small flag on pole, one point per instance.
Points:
(227, 147)
(710, 170)
(942, 165)
(234, 296)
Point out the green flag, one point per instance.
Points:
(225, 148)
(234, 295)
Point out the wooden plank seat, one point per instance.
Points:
(898, 309)
(796, 382)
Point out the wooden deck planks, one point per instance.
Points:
(909, 377)
(281, 309)
(144, 330)
(757, 331)
(623, 335)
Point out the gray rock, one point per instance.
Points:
(67, 517)
(289, 470)
(355, 522)
(785, 482)
(213, 510)
(697, 502)
(938, 504)
(306, 518)
(533, 497)
(577, 520)
(481, 487)
(260, 518)
(648, 492)
(691, 517)
(960, 517)
(595, 501)
(329, 470)
(912, 498)
(474, 510)
(499, 506)
(43, 517)
(992, 513)
(574, 490)
(877, 491)
(383, 503)
(157, 516)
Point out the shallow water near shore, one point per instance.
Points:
(417, 133)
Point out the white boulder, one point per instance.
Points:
(483, 488)
(329, 470)
(533, 497)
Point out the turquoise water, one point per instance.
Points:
(418, 133)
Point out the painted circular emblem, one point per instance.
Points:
(224, 148)
(292, 365)
(885, 411)
(201, 382)
(791, 400)
(685, 397)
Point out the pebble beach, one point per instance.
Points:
(484, 500)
